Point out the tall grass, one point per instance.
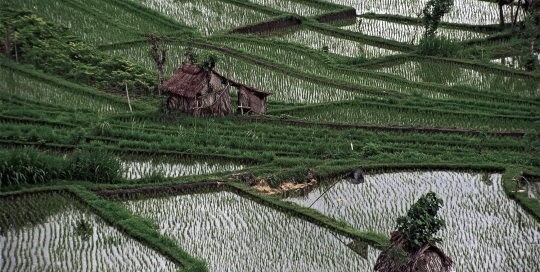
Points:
(30, 166)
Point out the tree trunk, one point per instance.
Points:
(517, 13)
(129, 102)
(534, 39)
(501, 14)
(161, 76)
(8, 41)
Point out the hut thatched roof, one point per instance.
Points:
(238, 85)
(186, 81)
(428, 258)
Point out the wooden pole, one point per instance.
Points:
(129, 102)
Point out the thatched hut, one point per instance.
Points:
(428, 258)
(198, 92)
(251, 100)
(206, 93)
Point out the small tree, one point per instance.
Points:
(158, 58)
(421, 222)
(433, 11)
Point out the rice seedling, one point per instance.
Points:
(483, 227)
(208, 17)
(309, 64)
(452, 74)
(88, 27)
(211, 226)
(388, 116)
(172, 168)
(129, 19)
(291, 7)
(515, 62)
(464, 11)
(51, 242)
(334, 45)
(12, 82)
(406, 33)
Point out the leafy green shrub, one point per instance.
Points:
(52, 49)
(420, 223)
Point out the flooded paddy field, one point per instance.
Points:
(135, 169)
(229, 231)
(484, 229)
(49, 233)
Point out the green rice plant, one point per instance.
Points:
(26, 166)
(477, 215)
(290, 6)
(387, 115)
(465, 12)
(95, 165)
(334, 45)
(406, 33)
(172, 168)
(439, 46)
(208, 17)
(210, 225)
(453, 74)
(50, 241)
(133, 17)
(12, 82)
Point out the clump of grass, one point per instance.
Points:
(26, 166)
(31, 166)
(439, 46)
(95, 165)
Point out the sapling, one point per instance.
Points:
(421, 222)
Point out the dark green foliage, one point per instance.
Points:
(421, 222)
(54, 50)
(439, 46)
(433, 11)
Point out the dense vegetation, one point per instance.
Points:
(371, 91)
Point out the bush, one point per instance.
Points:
(439, 46)
(420, 223)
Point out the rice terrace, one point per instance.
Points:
(270, 135)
